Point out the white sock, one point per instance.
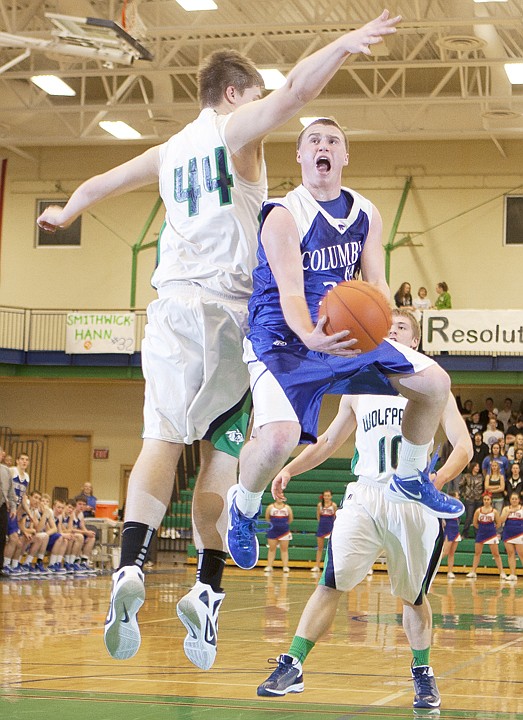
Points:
(412, 458)
(248, 502)
(69, 559)
(53, 559)
(14, 563)
(29, 560)
(7, 562)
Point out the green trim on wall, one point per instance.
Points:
(49, 372)
(462, 377)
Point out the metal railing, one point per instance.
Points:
(45, 330)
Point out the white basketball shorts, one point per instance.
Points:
(366, 526)
(192, 361)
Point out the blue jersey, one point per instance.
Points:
(20, 485)
(330, 252)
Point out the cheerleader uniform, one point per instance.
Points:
(487, 528)
(452, 530)
(280, 527)
(327, 515)
(513, 529)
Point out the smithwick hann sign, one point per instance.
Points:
(100, 332)
(499, 331)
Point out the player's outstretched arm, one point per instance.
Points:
(340, 429)
(138, 172)
(252, 122)
(456, 431)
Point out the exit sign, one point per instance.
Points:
(100, 453)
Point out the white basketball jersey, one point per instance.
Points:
(378, 436)
(209, 234)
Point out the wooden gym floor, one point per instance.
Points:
(53, 663)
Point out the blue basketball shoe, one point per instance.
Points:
(287, 678)
(420, 489)
(426, 693)
(242, 542)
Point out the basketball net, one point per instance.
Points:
(131, 21)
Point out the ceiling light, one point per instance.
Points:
(119, 129)
(53, 85)
(305, 121)
(273, 78)
(514, 73)
(191, 5)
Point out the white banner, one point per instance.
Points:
(100, 332)
(473, 330)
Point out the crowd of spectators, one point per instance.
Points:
(496, 466)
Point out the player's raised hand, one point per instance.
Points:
(371, 33)
(51, 219)
(279, 484)
(337, 344)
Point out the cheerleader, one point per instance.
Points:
(486, 521)
(512, 536)
(325, 514)
(452, 538)
(280, 516)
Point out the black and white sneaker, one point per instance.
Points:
(426, 693)
(286, 678)
(122, 634)
(198, 611)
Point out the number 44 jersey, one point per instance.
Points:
(209, 234)
(378, 436)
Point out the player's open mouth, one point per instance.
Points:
(323, 164)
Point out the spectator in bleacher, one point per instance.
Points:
(403, 297)
(465, 408)
(452, 538)
(515, 429)
(487, 412)
(512, 517)
(516, 445)
(325, 514)
(518, 458)
(486, 521)
(475, 425)
(505, 415)
(495, 454)
(89, 510)
(443, 301)
(7, 504)
(471, 490)
(480, 450)
(420, 303)
(495, 485)
(8, 461)
(280, 516)
(492, 434)
(514, 482)
(368, 524)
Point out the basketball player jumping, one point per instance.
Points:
(212, 181)
(315, 237)
(367, 524)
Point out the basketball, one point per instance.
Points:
(357, 306)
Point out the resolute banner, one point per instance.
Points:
(499, 331)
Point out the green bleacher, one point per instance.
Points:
(303, 495)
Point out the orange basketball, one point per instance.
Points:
(359, 307)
